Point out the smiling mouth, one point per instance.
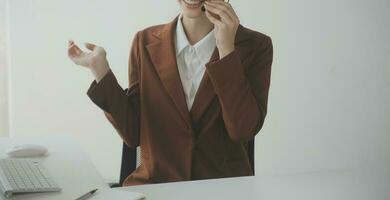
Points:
(193, 3)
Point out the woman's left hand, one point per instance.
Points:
(225, 27)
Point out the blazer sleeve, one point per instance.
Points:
(121, 106)
(243, 92)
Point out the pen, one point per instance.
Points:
(88, 194)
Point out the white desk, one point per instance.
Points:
(66, 163)
(75, 173)
(321, 185)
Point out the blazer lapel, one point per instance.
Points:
(206, 93)
(163, 55)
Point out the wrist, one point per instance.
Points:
(100, 70)
(224, 51)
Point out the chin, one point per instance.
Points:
(192, 15)
(191, 12)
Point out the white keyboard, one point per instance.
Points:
(24, 176)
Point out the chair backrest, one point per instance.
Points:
(128, 163)
(251, 154)
(131, 159)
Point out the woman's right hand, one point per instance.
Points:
(95, 59)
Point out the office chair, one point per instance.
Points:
(131, 160)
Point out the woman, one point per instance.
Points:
(197, 93)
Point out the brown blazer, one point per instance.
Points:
(210, 140)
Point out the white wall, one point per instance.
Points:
(329, 85)
(48, 92)
(3, 72)
(329, 99)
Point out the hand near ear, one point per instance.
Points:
(95, 59)
(226, 23)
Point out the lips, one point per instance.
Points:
(193, 3)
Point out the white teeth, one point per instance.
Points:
(192, 2)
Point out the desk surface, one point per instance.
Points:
(67, 164)
(321, 185)
(75, 173)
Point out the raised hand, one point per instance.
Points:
(95, 59)
(226, 23)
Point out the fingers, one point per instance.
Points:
(224, 10)
(90, 46)
(227, 5)
(73, 49)
(85, 58)
(221, 13)
(213, 19)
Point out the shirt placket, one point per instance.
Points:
(190, 69)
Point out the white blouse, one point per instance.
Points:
(191, 60)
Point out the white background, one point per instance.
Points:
(328, 104)
(4, 125)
